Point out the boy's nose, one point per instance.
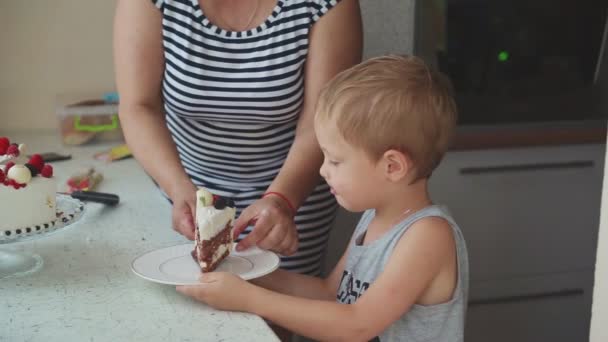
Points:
(323, 171)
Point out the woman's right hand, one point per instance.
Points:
(184, 209)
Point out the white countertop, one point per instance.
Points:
(86, 289)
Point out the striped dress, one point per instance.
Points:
(232, 101)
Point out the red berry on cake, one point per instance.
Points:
(36, 161)
(47, 171)
(4, 144)
(2, 176)
(13, 150)
(8, 166)
(14, 184)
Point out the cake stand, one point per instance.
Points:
(14, 263)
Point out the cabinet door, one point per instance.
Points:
(554, 308)
(524, 211)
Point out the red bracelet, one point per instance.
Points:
(283, 197)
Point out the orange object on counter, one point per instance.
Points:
(85, 180)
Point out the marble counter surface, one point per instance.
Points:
(86, 290)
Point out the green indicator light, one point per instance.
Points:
(503, 56)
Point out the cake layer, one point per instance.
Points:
(31, 205)
(210, 252)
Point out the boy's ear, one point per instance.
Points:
(397, 165)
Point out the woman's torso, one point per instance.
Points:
(232, 99)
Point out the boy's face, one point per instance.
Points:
(351, 174)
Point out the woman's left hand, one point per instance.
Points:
(220, 290)
(274, 227)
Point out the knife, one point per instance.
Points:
(93, 196)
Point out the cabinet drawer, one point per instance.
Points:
(555, 309)
(524, 211)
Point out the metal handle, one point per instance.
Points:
(98, 197)
(528, 297)
(526, 167)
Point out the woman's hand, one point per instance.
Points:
(274, 227)
(221, 290)
(184, 209)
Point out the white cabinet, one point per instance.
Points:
(524, 211)
(530, 216)
(549, 308)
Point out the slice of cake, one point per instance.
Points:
(213, 235)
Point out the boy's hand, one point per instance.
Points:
(220, 290)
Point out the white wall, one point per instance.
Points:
(48, 48)
(599, 312)
(388, 26)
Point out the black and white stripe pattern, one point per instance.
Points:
(232, 101)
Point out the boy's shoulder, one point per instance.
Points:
(431, 226)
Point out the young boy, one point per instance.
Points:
(383, 127)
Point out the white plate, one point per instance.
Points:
(175, 266)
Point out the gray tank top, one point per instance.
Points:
(438, 323)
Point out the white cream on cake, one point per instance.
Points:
(27, 194)
(211, 221)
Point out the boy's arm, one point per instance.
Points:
(304, 286)
(425, 249)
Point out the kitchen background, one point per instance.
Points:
(65, 46)
(509, 180)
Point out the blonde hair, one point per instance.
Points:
(392, 102)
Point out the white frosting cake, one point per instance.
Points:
(28, 206)
(213, 236)
(27, 192)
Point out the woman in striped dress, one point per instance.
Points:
(221, 94)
